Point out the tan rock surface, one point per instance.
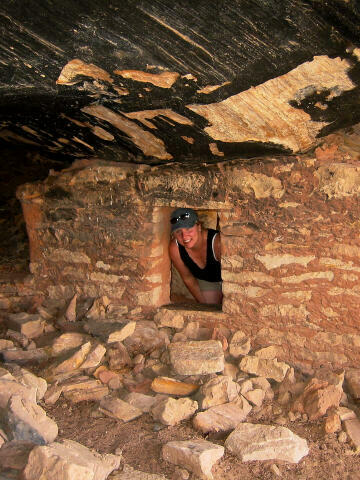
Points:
(217, 391)
(68, 341)
(264, 367)
(198, 456)
(173, 387)
(117, 408)
(9, 388)
(222, 418)
(264, 442)
(171, 411)
(25, 377)
(196, 358)
(25, 420)
(317, 398)
(121, 334)
(68, 460)
(239, 345)
(31, 326)
(352, 428)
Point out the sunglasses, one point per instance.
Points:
(184, 216)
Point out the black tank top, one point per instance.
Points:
(212, 270)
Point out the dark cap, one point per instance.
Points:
(183, 218)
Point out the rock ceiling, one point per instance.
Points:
(158, 81)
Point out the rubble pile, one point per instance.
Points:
(237, 397)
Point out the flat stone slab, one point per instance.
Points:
(120, 334)
(25, 420)
(266, 442)
(94, 356)
(197, 456)
(222, 418)
(70, 361)
(117, 408)
(25, 357)
(68, 341)
(196, 357)
(95, 393)
(68, 460)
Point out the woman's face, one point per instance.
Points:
(188, 237)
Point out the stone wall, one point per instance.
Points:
(89, 234)
(290, 243)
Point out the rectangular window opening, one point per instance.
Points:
(179, 294)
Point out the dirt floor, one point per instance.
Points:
(141, 441)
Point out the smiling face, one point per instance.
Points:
(188, 237)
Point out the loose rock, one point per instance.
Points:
(117, 408)
(332, 423)
(173, 387)
(255, 397)
(222, 418)
(171, 411)
(68, 460)
(217, 391)
(143, 402)
(239, 345)
(264, 442)
(198, 456)
(352, 428)
(317, 398)
(68, 341)
(264, 367)
(122, 333)
(31, 326)
(24, 420)
(25, 377)
(9, 388)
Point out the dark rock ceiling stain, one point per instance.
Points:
(158, 81)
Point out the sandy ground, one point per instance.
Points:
(141, 442)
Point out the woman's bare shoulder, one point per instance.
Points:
(173, 248)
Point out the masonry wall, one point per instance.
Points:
(290, 244)
(291, 259)
(90, 235)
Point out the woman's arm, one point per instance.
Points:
(188, 278)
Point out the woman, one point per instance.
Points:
(196, 254)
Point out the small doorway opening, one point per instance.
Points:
(179, 294)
